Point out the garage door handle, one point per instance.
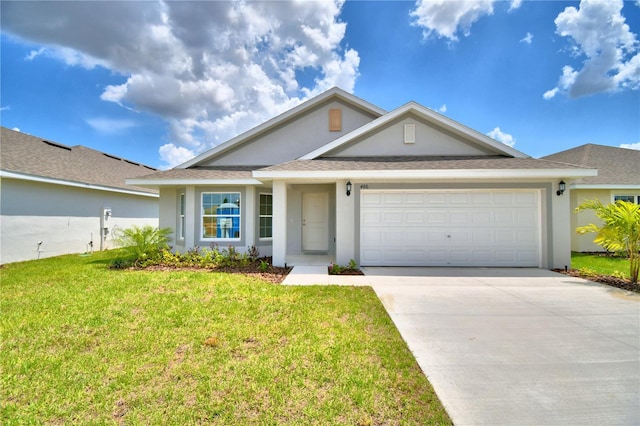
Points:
(448, 236)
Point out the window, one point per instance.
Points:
(181, 224)
(221, 215)
(266, 216)
(629, 198)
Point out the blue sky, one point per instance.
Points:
(159, 82)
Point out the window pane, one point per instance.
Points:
(265, 227)
(209, 227)
(629, 198)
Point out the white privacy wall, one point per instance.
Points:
(64, 218)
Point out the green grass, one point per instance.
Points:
(83, 344)
(600, 263)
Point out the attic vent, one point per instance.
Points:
(410, 133)
(335, 120)
(55, 145)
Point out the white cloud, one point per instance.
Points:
(172, 155)
(631, 145)
(5, 108)
(34, 54)
(110, 125)
(210, 69)
(515, 4)
(442, 109)
(446, 18)
(550, 93)
(601, 36)
(528, 39)
(500, 136)
(16, 129)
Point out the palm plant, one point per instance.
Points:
(619, 232)
(142, 243)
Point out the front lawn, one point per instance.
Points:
(602, 268)
(601, 263)
(84, 344)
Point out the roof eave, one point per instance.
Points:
(42, 179)
(429, 174)
(604, 186)
(156, 183)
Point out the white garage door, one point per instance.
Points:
(450, 228)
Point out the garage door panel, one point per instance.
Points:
(442, 228)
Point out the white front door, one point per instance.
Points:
(315, 221)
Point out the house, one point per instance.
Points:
(618, 179)
(338, 178)
(57, 199)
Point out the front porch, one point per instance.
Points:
(313, 223)
(310, 260)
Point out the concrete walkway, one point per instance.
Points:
(514, 346)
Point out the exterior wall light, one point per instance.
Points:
(561, 187)
(349, 188)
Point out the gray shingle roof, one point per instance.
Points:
(31, 155)
(417, 163)
(616, 166)
(212, 173)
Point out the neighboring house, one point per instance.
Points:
(618, 179)
(57, 199)
(337, 178)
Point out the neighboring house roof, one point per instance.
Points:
(334, 93)
(617, 167)
(27, 157)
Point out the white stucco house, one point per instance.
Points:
(338, 178)
(618, 179)
(57, 199)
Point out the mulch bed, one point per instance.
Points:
(272, 274)
(603, 279)
(345, 271)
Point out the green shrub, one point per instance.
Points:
(142, 243)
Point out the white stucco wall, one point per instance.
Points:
(584, 243)
(64, 218)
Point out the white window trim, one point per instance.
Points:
(261, 216)
(202, 215)
(636, 197)
(182, 224)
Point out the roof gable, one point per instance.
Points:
(616, 166)
(29, 157)
(435, 134)
(304, 126)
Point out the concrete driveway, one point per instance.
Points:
(519, 346)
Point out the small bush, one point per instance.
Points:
(253, 253)
(264, 265)
(142, 243)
